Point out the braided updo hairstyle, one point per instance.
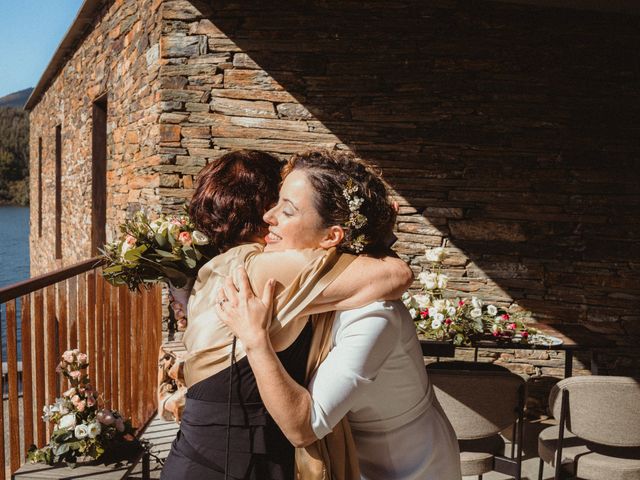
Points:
(330, 173)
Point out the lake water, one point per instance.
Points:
(14, 255)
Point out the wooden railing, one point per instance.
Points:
(75, 308)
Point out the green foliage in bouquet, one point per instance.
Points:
(459, 320)
(168, 249)
(81, 429)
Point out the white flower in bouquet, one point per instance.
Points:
(451, 311)
(67, 421)
(476, 312)
(428, 279)
(81, 431)
(94, 429)
(441, 281)
(435, 254)
(435, 323)
(423, 324)
(492, 309)
(199, 238)
(439, 305)
(413, 312)
(438, 317)
(476, 302)
(422, 301)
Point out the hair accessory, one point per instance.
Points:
(356, 219)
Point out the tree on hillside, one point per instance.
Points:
(14, 155)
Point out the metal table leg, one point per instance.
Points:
(568, 363)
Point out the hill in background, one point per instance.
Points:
(14, 149)
(16, 99)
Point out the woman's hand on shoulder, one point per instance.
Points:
(246, 315)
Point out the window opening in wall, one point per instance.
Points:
(39, 186)
(58, 183)
(99, 175)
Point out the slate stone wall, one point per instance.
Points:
(509, 134)
(119, 58)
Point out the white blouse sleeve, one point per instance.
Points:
(364, 339)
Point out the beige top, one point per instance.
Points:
(301, 275)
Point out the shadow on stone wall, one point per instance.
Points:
(511, 131)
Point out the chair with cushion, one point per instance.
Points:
(598, 436)
(480, 402)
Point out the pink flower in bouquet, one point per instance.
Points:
(505, 316)
(424, 313)
(460, 303)
(512, 326)
(91, 401)
(496, 330)
(525, 334)
(75, 400)
(130, 240)
(67, 356)
(105, 417)
(69, 393)
(75, 374)
(185, 238)
(448, 321)
(81, 405)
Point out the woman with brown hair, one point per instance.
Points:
(226, 431)
(374, 373)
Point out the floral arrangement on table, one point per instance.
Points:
(82, 430)
(167, 249)
(459, 320)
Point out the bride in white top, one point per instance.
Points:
(374, 374)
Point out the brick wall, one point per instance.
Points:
(509, 134)
(119, 57)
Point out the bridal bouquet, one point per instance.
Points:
(459, 320)
(168, 249)
(81, 429)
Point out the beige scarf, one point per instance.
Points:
(301, 276)
(334, 457)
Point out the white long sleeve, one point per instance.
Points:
(363, 340)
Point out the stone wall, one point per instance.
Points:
(119, 57)
(509, 134)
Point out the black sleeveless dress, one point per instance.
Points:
(258, 450)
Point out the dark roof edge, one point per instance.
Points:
(78, 29)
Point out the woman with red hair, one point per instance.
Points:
(226, 431)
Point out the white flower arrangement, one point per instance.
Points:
(81, 429)
(459, 320)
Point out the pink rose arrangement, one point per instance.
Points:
(82, 429)
(168, 249)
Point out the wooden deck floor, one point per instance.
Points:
(160, 433)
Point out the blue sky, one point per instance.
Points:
(30, 32)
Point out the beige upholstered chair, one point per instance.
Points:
(480, 403)
(599, 430)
